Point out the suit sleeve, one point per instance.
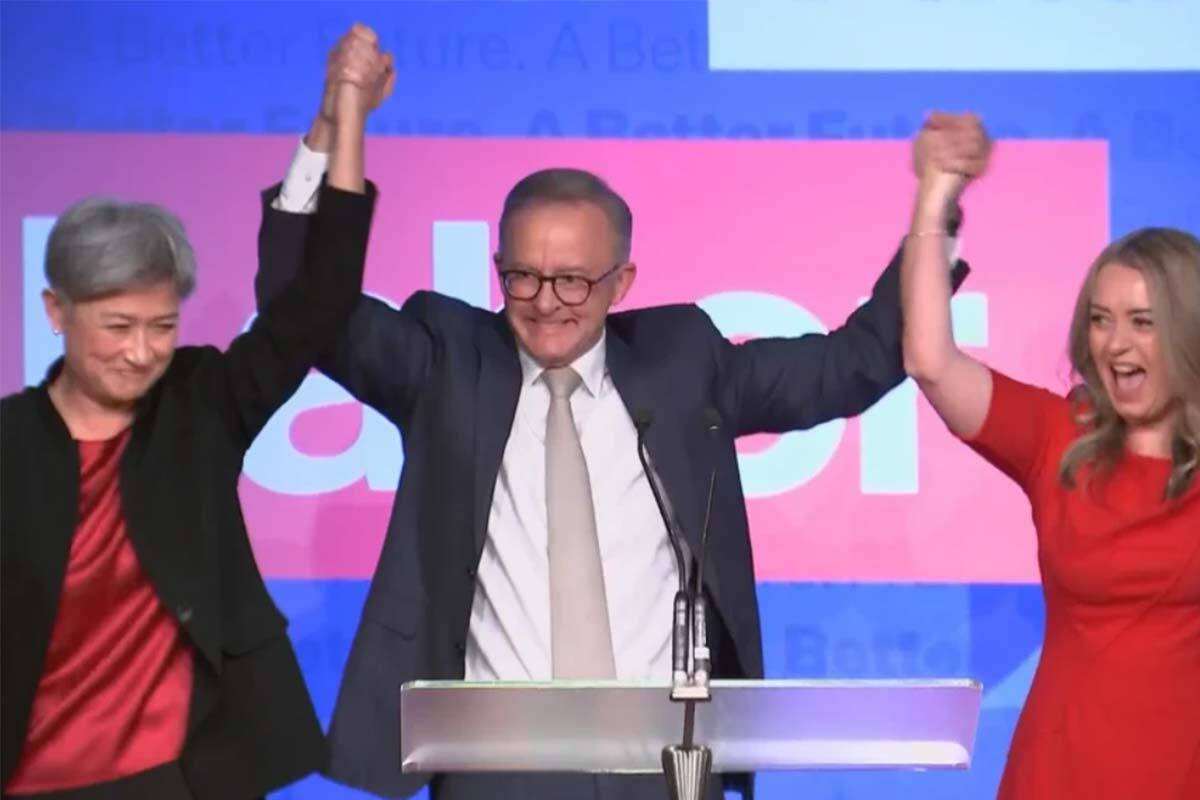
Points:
(265, 365)
(774, 385)
(380, 354)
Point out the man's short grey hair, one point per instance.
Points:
(565, 185)
(99, 246)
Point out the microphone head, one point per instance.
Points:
(712, 420)
(642, 417)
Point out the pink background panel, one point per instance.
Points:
(814, 222)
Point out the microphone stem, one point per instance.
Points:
(681, 623)
(712, 480)
(662, 510)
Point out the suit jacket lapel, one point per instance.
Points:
(496, 394)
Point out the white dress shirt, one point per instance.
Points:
(298, 194)
(509, 634)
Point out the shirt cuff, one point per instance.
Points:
(298, 195)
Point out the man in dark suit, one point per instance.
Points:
(525, 543)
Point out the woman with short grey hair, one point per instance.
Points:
(142, 655)
(101, 245)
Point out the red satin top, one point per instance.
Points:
(117, 681)
(1114, 711)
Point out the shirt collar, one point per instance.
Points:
(590, 366)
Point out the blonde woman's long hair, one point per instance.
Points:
(1169, 261)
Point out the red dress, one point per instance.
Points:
(113, 697)
(1114, 710)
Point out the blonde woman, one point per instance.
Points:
(1110, 472)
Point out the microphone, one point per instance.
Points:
(679, 617)
(702, 659)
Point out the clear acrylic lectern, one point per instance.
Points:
(746, 726)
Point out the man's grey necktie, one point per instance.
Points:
(581, 642)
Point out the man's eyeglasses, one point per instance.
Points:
(571, 290)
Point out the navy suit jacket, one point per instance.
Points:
(447, 374)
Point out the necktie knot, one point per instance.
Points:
(562, 382)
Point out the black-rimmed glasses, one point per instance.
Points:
(571, 290)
